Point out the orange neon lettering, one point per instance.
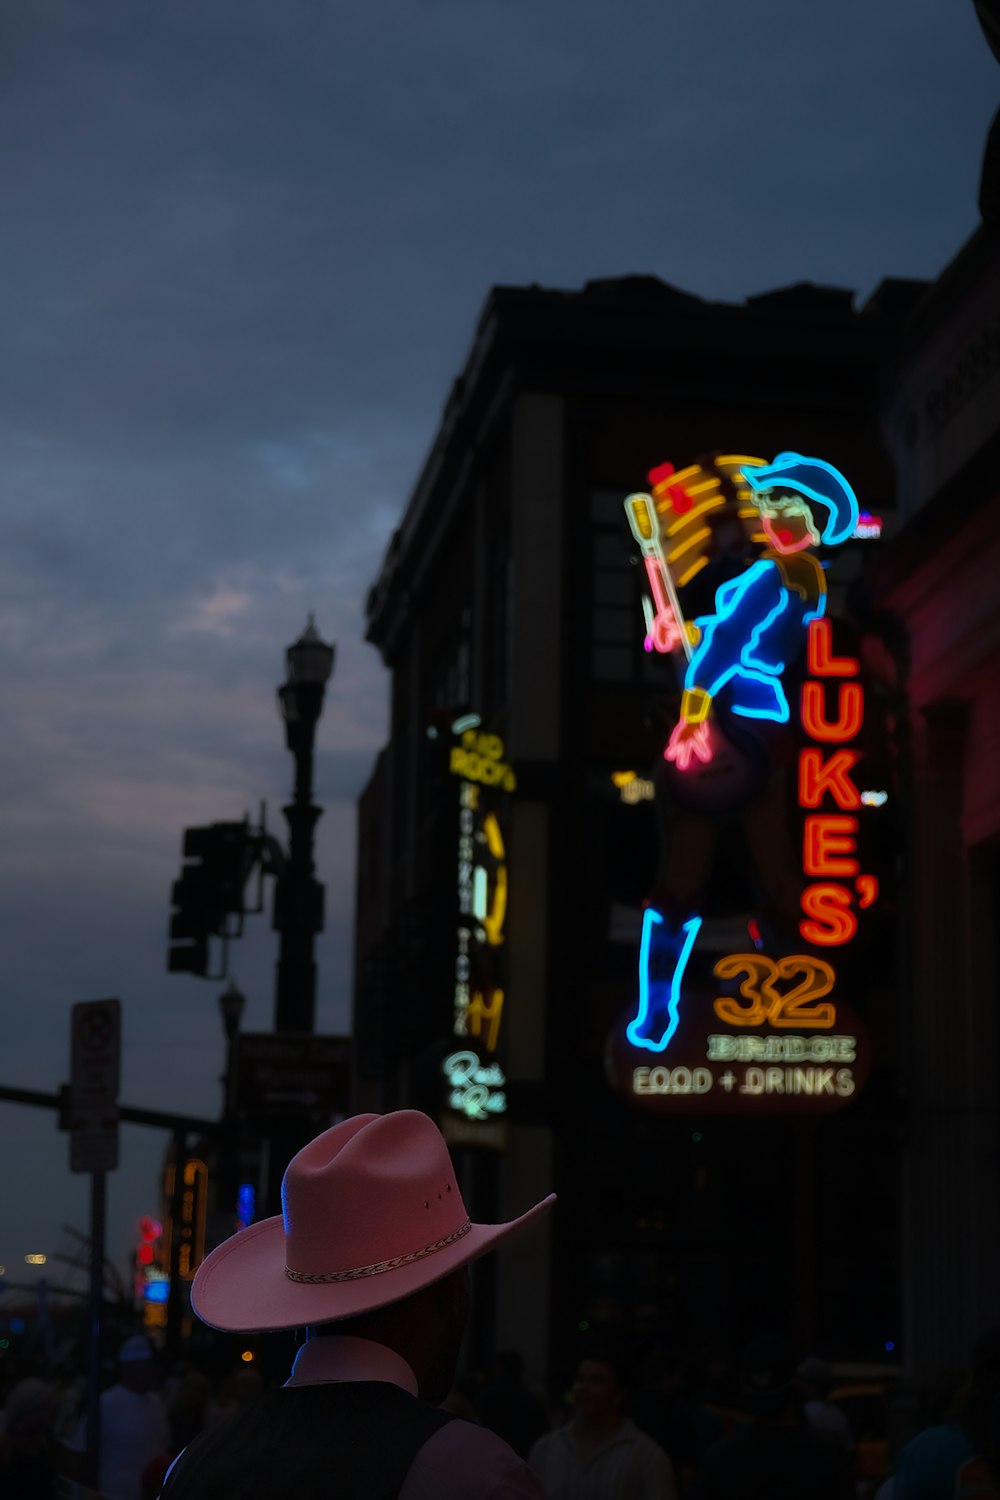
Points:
(867, 889)
(850, 712)
(818, 776)
(829, 920)
(828, 845)
(822, 663)
(482, 1011)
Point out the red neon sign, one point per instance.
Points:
(830, 838)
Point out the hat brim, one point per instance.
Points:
(241, 1287)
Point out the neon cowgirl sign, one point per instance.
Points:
(731, 538)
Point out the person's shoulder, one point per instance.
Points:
(635, 1434)
(467, 1462)
(931, 1459)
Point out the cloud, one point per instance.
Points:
(244, 251)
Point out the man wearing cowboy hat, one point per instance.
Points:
(371, 1257)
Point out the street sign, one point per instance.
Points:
(95, 1066)
(281, 1073)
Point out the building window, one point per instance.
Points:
(616, 631)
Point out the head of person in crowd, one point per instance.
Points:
(600, 1388)
(374, 1242)
(138, 1369)
(816, 1379)
(26, 1414)
(768, 1379)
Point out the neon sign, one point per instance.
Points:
(479, 757)
(802, 1004)
(869, 527)
(476, 1088)
(743, 531)
(633, 788)
(663, 956)
(475, 1084)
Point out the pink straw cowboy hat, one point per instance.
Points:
(372, 1213)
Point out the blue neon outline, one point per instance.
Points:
(691, 927)
(747, 654)
(780, 714)
(841, 523)
(728, 599)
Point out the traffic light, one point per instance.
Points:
(218, 860)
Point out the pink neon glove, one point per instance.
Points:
(689, 742)
(665, 635)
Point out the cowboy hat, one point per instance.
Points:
(372, 1213)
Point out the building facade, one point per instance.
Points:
(939, 577)
(514, 829)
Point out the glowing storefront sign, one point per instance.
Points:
(746, 530)
(474, 1079)
(477, 1088)
(633, 788)
(479, 757)
(194, 1195)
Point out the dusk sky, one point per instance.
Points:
(243, 249)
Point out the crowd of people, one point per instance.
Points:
(661, 1427)
(370, 1264)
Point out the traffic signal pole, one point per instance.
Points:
(98, 1220)
(298, 895)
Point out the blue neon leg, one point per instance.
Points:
(663, 958)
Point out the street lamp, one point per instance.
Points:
(298, 896)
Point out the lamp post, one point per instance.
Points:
(231, 1003)
(298, 896)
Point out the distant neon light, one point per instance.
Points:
(658, 1019)
(246, 1204)
(467, 721)
(869, 527)
(479, 758)
(485, 1013)
(874, 799)
(633, 788)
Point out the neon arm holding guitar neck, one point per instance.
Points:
(667, 628)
